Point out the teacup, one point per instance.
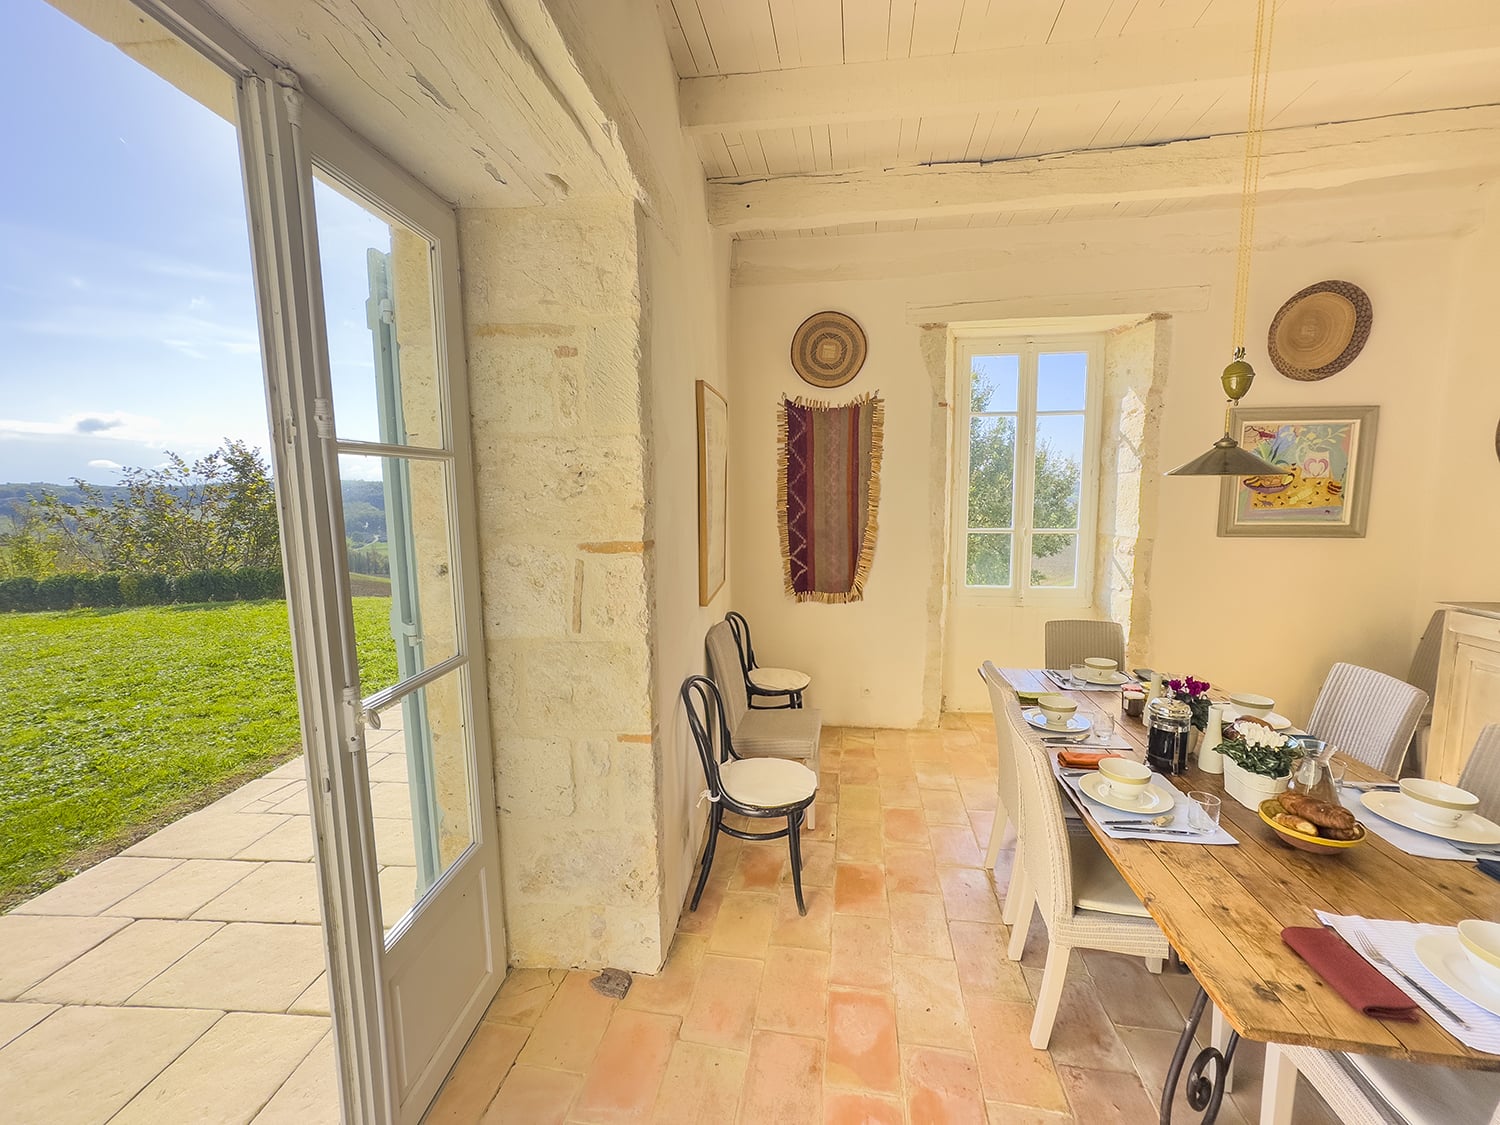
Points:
(1437, 803)
(1481, 942)
(1256, 706)
(1125, 778)
(1056, 708)
(1101, 669)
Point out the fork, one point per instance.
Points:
(1370, 950)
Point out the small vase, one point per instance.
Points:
(1210, 758)
(1195, 740)
(1250, 789)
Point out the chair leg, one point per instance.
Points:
(793, 831)
(997, 833)
(1154, 966)
(1049, 996)
(708, 854)
(1218, 1038)
(811, 819)
(1278, 1087)
(1015, 893)
(1021, 890)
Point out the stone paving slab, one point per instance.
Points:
(273, 892)
(96, 890)
(123, 963)
(310, 1096)
(185, 889)
(18, 1016)
(244, 967)
(34, 946)
(211, 833)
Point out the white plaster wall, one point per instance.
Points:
(1266, 615)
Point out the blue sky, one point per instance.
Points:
(128, 313)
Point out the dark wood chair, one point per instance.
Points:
(786, 684)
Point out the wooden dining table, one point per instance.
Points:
(1223, 909)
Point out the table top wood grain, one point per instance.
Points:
(1223, 910)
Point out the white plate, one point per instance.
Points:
(1075, 725)
(1444, 957)
(1114, 679)
(1154, 800)
(1278, 722)
(1397, 807)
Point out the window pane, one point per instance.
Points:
(377, 302)
(419, 792)
(1058, 483)
(1054, 560)
(1062, 380)
(989, 561)
(992, 471)
(996, 378)
(401, 570)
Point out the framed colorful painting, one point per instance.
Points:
(1327, 451)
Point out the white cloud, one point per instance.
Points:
(102, 463)
(102, 425)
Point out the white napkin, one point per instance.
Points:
(1103, 813)
(1409, 840)
(1397, 941)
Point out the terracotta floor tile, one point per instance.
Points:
(942, 1088)
(525, 995)
(744, 925)
(887, 738)
(1131, 995)
(701, 921)
(911, 871)
(623, 1081)
(476, 1077)
(1010, 1069)
(841, 1107)
(919, 927)
(813, 930)
(926, 746)
(1105, 1095)
(760, 867)
(954, 845)
(817, 864)
(859, 842)
(533, 1096)
(670, 991)
(784, 1081)
(859, 888)
(981, 821)
(929, 1005)
(1151, 1049)
(1002, 1113)
(904, 828)
(900, 792)
(723, 1008)
(828, 821)
(859, 773)
(935, 775)
(1083, 1035)
(968, 894)
(568, 1032)
(702, 1084)
(983, 968)
(972, 767)
(861, 952)
(862, 1047)
(859, 803)
(793, 992)
(978, 792)
(944, 806)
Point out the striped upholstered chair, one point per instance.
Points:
(1074, 641)
(1368, 715)
(1481, 775)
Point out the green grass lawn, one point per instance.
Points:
(113, 722)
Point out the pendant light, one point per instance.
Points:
(1225, 458)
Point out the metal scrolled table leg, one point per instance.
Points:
(1204, 1094)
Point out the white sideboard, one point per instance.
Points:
(1468, 686)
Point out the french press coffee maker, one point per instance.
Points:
(1167, 724)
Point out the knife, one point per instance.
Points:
(1153, 829)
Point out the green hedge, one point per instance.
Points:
(88, 591)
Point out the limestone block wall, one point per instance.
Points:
(553, 314)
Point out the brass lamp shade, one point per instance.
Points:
(1225, 458)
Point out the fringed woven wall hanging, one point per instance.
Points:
(827, 495)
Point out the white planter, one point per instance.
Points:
(1250, 789)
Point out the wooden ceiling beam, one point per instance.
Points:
(1307, 158)
(1330, 46)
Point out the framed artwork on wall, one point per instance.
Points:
(713, 491)
(1325, 493)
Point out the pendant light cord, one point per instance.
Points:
(1260, 74)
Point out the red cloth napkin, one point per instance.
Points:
(1349, 974)
(1083, 759)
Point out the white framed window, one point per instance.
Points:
(1026, 467)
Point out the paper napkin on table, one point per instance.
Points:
(1102, 813)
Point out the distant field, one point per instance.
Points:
(113, 722)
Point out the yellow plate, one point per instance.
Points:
(1301, 840)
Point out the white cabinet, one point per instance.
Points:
(1468, 686)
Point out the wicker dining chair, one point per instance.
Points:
(1084, 902)
(786, 684)
(1008, 798)
(1481, 775)
(1370, 1090)
(1368, 715)
(1072, 641)
(764, 788)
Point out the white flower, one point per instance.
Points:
(1260, 737)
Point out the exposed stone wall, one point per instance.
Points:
(553, 310)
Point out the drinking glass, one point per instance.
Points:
(1203, 811)
(1076, 672)
(1104, 726)
(1337, 768)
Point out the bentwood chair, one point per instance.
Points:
(785, 684)
(1370, 1090)
(1481, 775)
(1085, 904)
(1368, 715)
(1074, 641)
(763, 788)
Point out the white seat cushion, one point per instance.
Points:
(779, 679)
(768, 783)
(1096, 882)
(1422, 1094)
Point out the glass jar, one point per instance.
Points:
(1310, 769)
(1167, 724)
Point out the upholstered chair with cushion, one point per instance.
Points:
(1369, 1090)
(1368, 715)
(1074, 641)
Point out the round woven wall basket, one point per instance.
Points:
(1320, 330)
(828, 349)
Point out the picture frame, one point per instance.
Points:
(713, 491)
(1329, 451)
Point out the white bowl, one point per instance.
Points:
(1126, 777)
(1058, 708)
(1101, 669)
(1257, 706)
(1436, 802)
(1481, 941)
